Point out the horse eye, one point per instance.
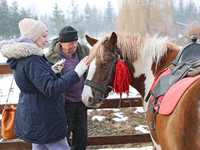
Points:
(104, 65)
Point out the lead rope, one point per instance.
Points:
(119, 106)
(9, 93)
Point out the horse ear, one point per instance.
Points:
(113, 40)
(90, 40)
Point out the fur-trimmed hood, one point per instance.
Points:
(20, 50)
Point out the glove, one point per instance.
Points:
(82, 66)
(57, 67)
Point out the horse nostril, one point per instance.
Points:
(91, 101)
(98, 99)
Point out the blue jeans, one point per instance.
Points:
(59, 145)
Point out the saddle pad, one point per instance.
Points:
(173, 95)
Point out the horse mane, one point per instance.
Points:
(134, 46)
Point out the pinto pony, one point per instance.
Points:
(145, 57)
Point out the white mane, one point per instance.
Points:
(155, 47)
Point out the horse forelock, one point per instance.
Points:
(97, 49)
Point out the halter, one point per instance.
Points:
(103, 88)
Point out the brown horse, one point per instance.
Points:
(145, 57)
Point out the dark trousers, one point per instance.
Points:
(76, 114)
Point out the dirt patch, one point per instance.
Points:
(108, 126)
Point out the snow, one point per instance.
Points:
(99, 118)
(132, 93)
(142, 128)
(5, 83)
(120, 117)
(139, 110)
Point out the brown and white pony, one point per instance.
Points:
(145, 57)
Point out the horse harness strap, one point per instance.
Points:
(95, 85)
(103, 88)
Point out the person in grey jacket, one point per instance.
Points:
(67, 47)
(40, 117)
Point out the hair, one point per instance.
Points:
(134, 46)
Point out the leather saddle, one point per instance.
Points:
(188, 59)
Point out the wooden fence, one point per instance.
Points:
(92, 140)
(4, 69)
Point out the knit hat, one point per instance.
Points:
(31, 28)
(68, 34)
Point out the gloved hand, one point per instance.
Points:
(57, 67)
(82, 66)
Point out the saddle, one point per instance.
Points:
(186, 64)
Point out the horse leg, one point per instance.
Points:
(154, 148)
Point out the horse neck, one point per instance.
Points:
(142, 76)
(143, 72)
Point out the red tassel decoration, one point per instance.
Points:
(122, 78)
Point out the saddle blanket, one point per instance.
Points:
(173, 95)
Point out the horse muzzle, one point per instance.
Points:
(94, 102)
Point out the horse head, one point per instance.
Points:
(100, 78)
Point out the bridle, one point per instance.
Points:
(103, 88)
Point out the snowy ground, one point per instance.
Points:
(5, 82)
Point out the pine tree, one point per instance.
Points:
(88, 18)
(14, 20)
(81, 30)
(58, 20)
(76, 20)
(181, 11)
(100, 23)
(25, 14)
(4, 20)
(94, 26)
(190, 12)
(109, 17)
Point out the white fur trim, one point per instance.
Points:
(20, 49)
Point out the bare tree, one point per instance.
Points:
(145, 16)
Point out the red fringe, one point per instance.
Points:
(122, 79)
